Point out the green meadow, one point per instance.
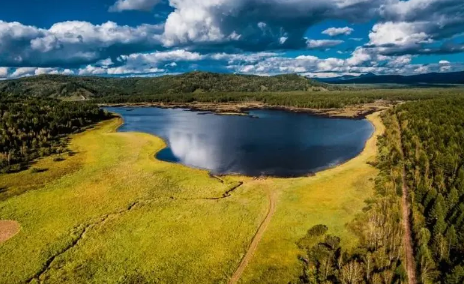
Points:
(112, 213)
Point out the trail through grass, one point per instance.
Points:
(113, 214)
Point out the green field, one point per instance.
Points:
(112, 213)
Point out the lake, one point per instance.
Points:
(268, 142)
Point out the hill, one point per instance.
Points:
(58, 86)
(422, 79)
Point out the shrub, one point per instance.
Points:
(317, 230)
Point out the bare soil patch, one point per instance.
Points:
(8, 229)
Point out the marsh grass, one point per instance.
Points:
(112, 213)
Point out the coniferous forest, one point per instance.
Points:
(34, 128)
(427, 139)
(433, 141)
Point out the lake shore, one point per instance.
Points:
(242, 108)
(122, 111)
(114, 179)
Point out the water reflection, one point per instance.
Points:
(276, 143)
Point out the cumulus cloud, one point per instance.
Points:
(257, 24)
(32, 71)
(418, 26)
(72, 43)
(246, 36)
(332, 66)
(243, 57)
(23, 71)
(338, 31)
(160, 63)
(124, 71)
(142, 63)
(155, 61)
(139, 5)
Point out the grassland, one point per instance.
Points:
(112, 213)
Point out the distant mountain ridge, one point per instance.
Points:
(59, 86)
(429, 78)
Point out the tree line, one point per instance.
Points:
(34, 128)
(317, 100)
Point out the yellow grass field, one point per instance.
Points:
(112, 213)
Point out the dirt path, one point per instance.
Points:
(407, 236)
(256, 239)
(8, 229)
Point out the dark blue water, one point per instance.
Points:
(276, 143)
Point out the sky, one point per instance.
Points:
(317, 38)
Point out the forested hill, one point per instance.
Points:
(58, 86)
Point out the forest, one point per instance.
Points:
(284, 90)
(72, 87)
(34, 128)
(433, 141)
(427, 138)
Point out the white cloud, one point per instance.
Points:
(23, 71)
(155, 58)
(158, 63)
(327, 74)
(67, 72)
(71, 42)
(399, 61)
(139, 5)
(248, 58)
(4, 72)
(338, 31)
(323, 43)
(90, 70)
(264, 22)
(361, 61)
(105, 62)
(142, 63)
(34, 71)
(421, 69)
(414, 26)
(41, 71)
(401, 33)
(253, 29)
